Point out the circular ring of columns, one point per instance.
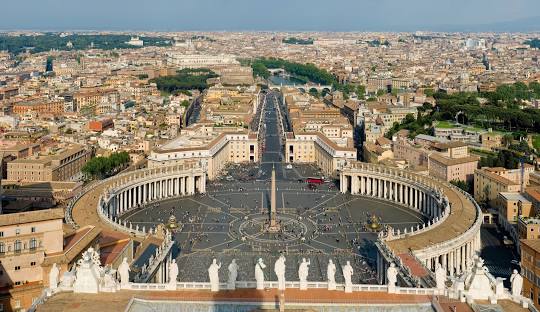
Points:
(441, 202)
(144, 186)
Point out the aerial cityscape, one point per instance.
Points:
(227, 163)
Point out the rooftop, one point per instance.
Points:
(513, 196)
(31, 216)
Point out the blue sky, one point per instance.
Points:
(296, 15)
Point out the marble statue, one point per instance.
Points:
(213, 275)
(67, 280)
(517, 283)
(331, 275)
(440, 277)
(123, 271)
(391, 276)
(479, 285)
(259, 273)
(303, 272)
(347, 275)
(109, 283)
(279, 269)
(53, 277)
(233, 274)
(173, 273)
(88, 277)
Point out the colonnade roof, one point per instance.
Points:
(462, 217)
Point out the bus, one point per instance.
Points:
(316, 181)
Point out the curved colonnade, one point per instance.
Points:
(149, 185)
(451, 237)
(109, 199)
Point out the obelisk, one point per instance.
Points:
(273, 223)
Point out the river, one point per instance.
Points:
(286, 81)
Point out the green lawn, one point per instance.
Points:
(445, 125)
(536, 142)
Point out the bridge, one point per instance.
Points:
(274, 71)
(302, 87)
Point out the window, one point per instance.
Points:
(17, 304)
(17, 231)
(18, 246)
(33, 243)
(33, 263)
(2, 234)
(33, 229)
(17, 267)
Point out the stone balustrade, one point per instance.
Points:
(274, 284)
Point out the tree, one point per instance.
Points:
(361, 91)
(101, 167)
(467, 187)
(428, 92)
(507, 139)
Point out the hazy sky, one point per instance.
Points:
(331, 15)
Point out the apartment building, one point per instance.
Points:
(65, 165)
(39, 106)
(489, 182)
(96, 100)
(530, 269)
(25, 240)
(511, 206)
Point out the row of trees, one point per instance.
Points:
(102, 167)
(501, 111)
(503, 158)
(309, 71)
(303, 73)
(49, 41)
(294, 40)
(419, 125)
(185, 79)
(533, 43)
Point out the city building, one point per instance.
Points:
(65, 165)
(511, 206)
(489, 182)
(530, 265)
(213, 148)
(181, 60)
(25, 240)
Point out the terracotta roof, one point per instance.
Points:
(31, 216)
(75, 244)
(493, 176)
(453, 161)
(534, 244)
(533, 192)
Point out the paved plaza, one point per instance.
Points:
(319, 223)
(335, 224)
